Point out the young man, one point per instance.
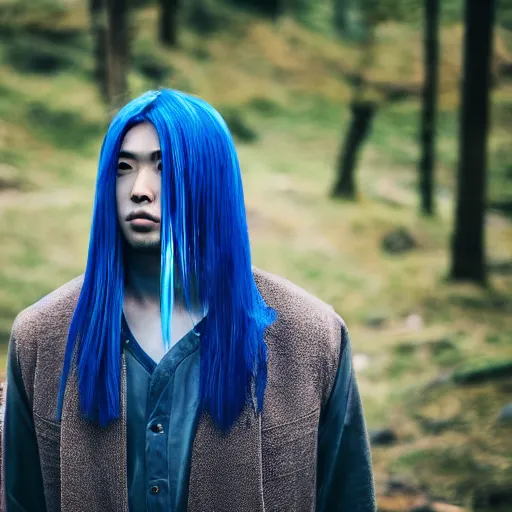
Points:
(173, 375)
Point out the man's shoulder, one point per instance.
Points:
(308, 336)
(53, 311)
(290, 300)
(305, 324)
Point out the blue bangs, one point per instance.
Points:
(204, 238)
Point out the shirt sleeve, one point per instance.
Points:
(22, 482)
(344, 468)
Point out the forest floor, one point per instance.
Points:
(433, 358)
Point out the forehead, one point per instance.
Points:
(141, 138)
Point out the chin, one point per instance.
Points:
(147, 246)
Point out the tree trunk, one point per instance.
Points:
(270, 8)
(363, 112)
(362, 116)
(340, 18)
(348, 21)
(99, 29)
(118, 51)
(468, 248)
(428, 122)
(169, 22)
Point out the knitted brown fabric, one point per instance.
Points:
(266, 463)
(93, 459)
(270, 463)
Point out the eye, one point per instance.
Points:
(159, 165)
(123, 166)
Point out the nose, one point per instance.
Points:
(143, 189)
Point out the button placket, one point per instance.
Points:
(156, 442)
(158, 429)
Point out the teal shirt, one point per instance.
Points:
(162, 412)
(162, 415)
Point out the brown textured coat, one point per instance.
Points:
(266, 463)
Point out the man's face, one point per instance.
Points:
(138, 188)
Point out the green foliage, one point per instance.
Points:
(239, 126)
(445, 352)
(380, 11)
(504, 14)
(27, 57)
(405, 360)
(42, 10)
(41, 49)
(499, 338)
(355, 20)
(349, 20)
(149, 62)
(64, 129)
(204, 17)
(446, 464)
(300, 9)
(452, 11)
(264, 106)
(11, 157)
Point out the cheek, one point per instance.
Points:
(118, 198)
(122, 194)
(156, 184)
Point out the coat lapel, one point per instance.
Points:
(100, 452)
(226, 470)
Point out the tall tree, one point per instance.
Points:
(117, 51)
(358, 20)
(348, 19)
(169, 22)
(272, 8)
(99, 29)
(203, 17)
(362, 111)
(362, 115)
(468, 246)
(340, 16)
(428, 122)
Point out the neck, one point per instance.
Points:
(142, 281)
(142, 276)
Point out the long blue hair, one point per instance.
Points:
(204, 238)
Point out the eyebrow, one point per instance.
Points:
(153, 156)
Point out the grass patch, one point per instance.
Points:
(265, 106)
(445, 352)
(450, 472)
(405, 359)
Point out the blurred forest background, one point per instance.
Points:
(374, 138)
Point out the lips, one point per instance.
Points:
(142, 215)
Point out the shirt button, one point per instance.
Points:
(154, 490)
(158, 428)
